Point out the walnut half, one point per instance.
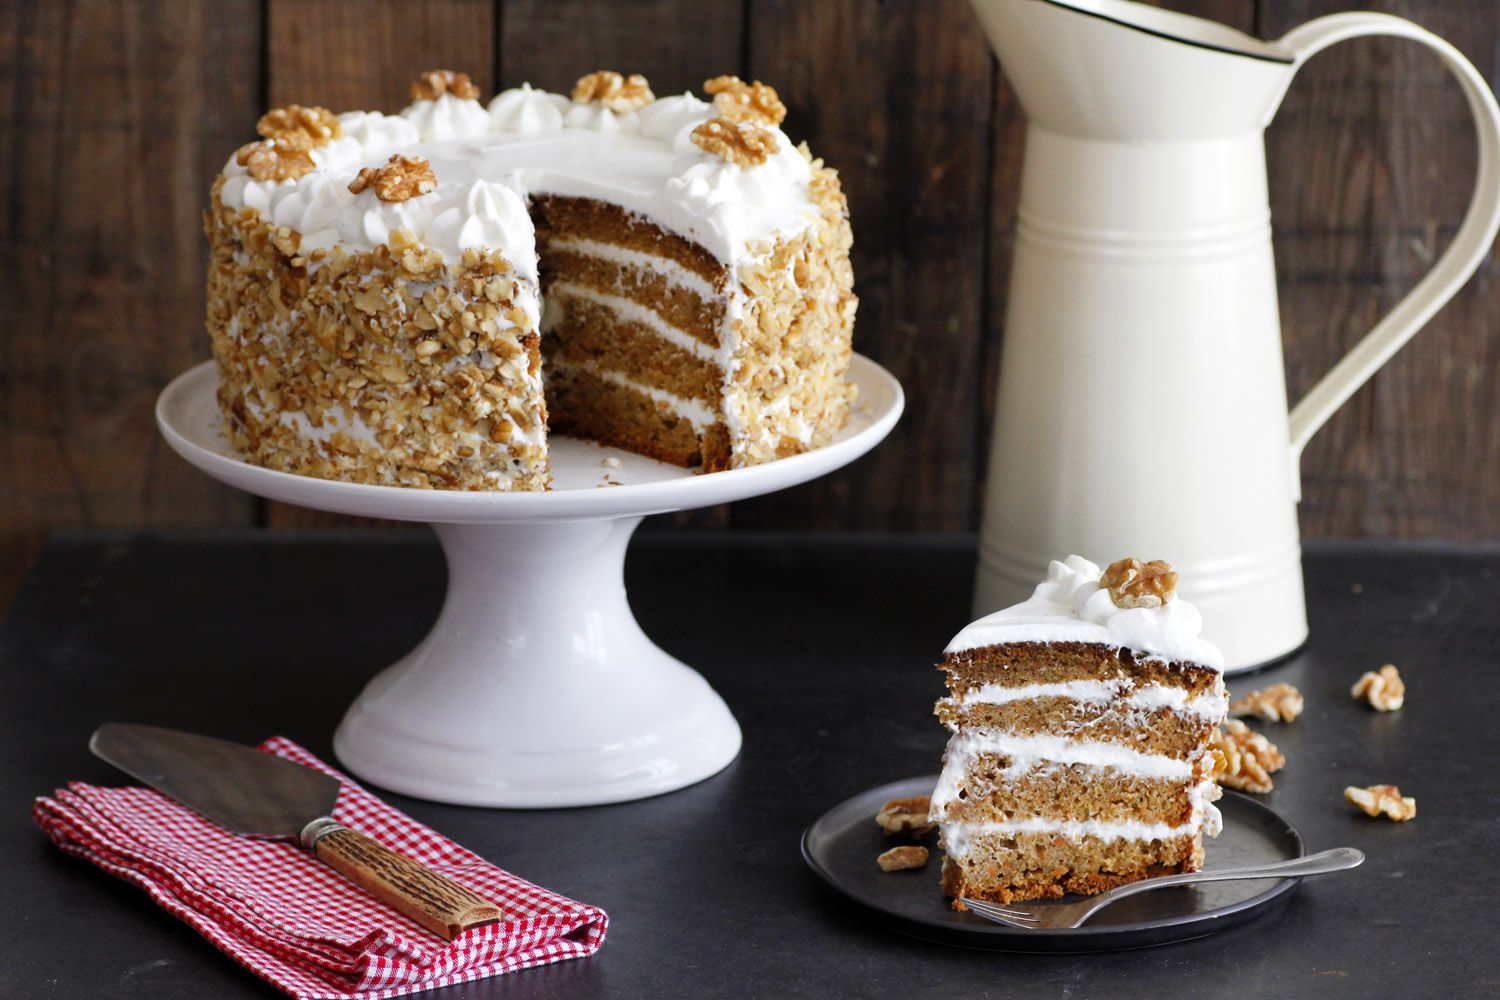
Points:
(1277, 703)
(902, 858)
(319, 125)
(1383, 800)
(1248, 758)
(282, 159)
(613, 91)
(1385, 691)
(1135, 584)
(740, 101)
(743, 143)
(906, 817)
(400, 178)
(436, 82)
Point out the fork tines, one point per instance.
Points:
(990, 911)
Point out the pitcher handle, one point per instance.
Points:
(1457, 263)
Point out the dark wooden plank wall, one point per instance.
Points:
(118, 115)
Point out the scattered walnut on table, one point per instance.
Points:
(400, 178)
(319, 125)
(282, 159)
(1383, 800)
(744, 143)
(613, 91)
(1135, 584)
(740, 101)
(906, 817)
(1385, 691)
(436, 82)
(1248, 758)
(902, 858)
(1277, 703)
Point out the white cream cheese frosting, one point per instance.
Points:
(1071, 606)
(530, 142)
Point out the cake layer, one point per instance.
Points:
(1016, 664)
(556, 216)
(681, 298)
(586, 330)
(990, 792)
(1004, 866)
(607, 407)
(1151, 731)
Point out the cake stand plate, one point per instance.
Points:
(842, 845)
(536, 687)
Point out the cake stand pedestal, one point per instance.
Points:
(536, 687)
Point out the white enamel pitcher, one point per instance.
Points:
(1142, 401)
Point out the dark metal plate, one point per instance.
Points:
(841, 847)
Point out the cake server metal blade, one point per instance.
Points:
(238, 787)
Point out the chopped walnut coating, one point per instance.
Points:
(1135, 584)
(740, 101)
(615, 92)
(902, 858)
(1383, 800)
(436, 82)
(400, 178)
(744, 143)
(319, 125)
(1385, 691)
(1277, 703)
(906, 817)
(283, 159)
(1249, 758)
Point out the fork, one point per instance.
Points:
(1064, 916)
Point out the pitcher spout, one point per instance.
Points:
(1115, 70)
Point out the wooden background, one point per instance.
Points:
(117, 115)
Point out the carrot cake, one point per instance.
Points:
(1081, 720)
(417, 299)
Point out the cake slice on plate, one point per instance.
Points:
(1080, 752)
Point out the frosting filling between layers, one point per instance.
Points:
(1210, 704)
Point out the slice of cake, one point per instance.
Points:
(1081, 721)
(417, 299)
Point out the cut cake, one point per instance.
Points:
(1081, 721)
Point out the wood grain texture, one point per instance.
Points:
(1372, 163)
(433, 900)
(898, 99)
(118, 116)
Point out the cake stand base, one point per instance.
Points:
(536, 687)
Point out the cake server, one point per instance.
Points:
(257, 794)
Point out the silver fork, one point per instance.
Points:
(1062, 916)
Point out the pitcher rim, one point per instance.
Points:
(1269, 54)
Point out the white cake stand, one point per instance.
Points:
(536, 687)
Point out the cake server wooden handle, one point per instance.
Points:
(432, 900)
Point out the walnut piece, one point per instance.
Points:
(1385, 691)
(400, 178)
(744, 143)
(740, 101)
(615, 92)
(902, 858)
(282, 159)
(436, 82)
(319, 125)
(1277, 703)
(1134, 584)
(1249, 758)
(1383, 800)
(906, 817)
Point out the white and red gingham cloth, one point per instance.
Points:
(291, 919)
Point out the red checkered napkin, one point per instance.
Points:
(291, 919)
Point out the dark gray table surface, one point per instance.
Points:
(823, 649)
